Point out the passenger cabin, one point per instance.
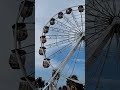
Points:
(42, 50)
(60, 15)
(43, 39)
(46, 63)
(52, 21)
(13, 59)
(45, 29)
(27, 8)
(81, 8)
(68, 11)
(22, 33)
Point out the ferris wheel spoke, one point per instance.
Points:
(92, 41)
(59, 42)
(59, 36)
(75, 20)
(97, 10)
(66, 26)
(69, 68)
(99, 30)
(99, 66)
(97, 16)
(98, 19)
(110, 7)
(82, 22)
(74, 62)
(107, 9)
(66, 31)
(63, 63)
(100, 45)
(100, 25)
(93, 21)
(103, 63)
(104, 8)
(75, 59)
(61, 50)
(77, 16)
(70, 23)
(94, 74)
(95, 33)
(96, 30)
(114, 7)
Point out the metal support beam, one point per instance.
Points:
(65, 61)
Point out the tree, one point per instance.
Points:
(39, 82)
(72, 85)
(59, 88)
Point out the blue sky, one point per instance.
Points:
(46, 9)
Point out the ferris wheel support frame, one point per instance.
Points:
(62, 65)
(107, 34)
(16, 52)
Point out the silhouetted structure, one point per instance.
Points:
(72, 85)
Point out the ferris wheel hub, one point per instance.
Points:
(117, 20)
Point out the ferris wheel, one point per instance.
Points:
(62, 46)
(23, 30)
(102, 40)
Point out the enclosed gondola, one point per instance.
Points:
(42, 50)
(45, 29)
(13, 61)
(46, 63)
(69, 10)
(43, 39)
(21, 32)
(81, 8)
(27, 8)
(52, 21)
(60, 15)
